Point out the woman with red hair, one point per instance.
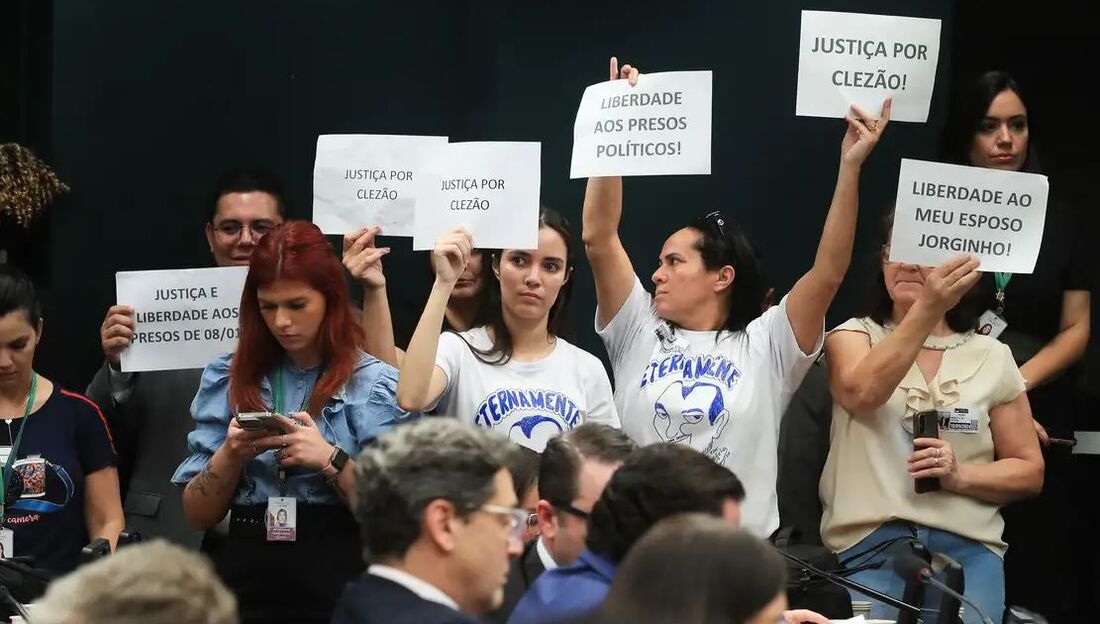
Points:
(300, 354)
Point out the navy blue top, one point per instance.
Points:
(372, 599)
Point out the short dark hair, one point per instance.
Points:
(695, 569)
(523, 464)
(968, 108)
(243, 180)
(722, 243)
(656, 482)
(879, 307)
(561, 460)
(17, 293)
(414, 464)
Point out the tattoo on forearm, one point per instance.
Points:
(205, 482)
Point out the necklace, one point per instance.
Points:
(942, 343)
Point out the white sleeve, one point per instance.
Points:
(772, 336)
(633, 319)
(597, 391)
(448, 358)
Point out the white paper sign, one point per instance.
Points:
(182, 318)
(852, 58)
(661, 126)
(490, 188)
(367, 179)
(944, 210)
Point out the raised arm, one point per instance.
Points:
(813, 293)
(421, 382)
(862, 377)
(364, 261)
(603, 208)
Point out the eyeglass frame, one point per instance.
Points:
(571, 510)
(517, 519)
(251, 227)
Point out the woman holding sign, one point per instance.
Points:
(515, 373)
(1044, 318)
(931, 434)
(699, 363)
(276, 424)
(59, 487)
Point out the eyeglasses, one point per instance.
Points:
(233, 229)
(718, 221)
(571, 510)
(517, 519)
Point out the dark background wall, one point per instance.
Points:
(147, 102)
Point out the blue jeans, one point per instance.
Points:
(983, 570)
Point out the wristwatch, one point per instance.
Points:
(336, 463)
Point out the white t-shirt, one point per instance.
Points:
(530, 402)
(722, 397)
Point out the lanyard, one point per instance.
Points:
(1002, 280)
(5, 477)
(280, 403)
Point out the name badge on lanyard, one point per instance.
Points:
(281, 519)
(958, 420)
(991, 324)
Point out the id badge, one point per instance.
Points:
(958, 420)
(991, 324)
(7, 543)
(281, 519)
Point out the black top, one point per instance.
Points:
(521, 575)
(65, 440)
(374, 600)
(1033, 310)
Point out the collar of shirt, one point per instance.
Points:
(599, 564)
(544, 555)
(418, 586)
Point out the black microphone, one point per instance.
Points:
(910, 567)
(846, 583)
(14, 578)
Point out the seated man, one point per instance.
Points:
(573, 472)
(653, 483)
(437, 512)
(151, 582)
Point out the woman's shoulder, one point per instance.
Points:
(217, 371)
(585, 359)
(74, 402)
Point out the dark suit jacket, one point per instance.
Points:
(150, 431)
(525, 569)
(374, 600)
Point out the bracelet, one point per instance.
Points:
(330, 472)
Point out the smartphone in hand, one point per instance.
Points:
(926, 424)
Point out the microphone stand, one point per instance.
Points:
(850, 584)
(5, 596)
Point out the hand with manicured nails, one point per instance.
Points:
(451, 254)
(947, 283)
(934, 458)
(244, 445)
(362, 259)
(117, 333)
(863, 134)
(627, 73)
(299, 444)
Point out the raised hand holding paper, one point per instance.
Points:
(851, 58)
(944, 210)
(661, 126)
(182, 319)
(490, 188)
(367, 179)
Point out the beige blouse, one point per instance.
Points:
(865, 482)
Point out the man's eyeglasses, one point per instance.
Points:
(571, 510)
(718, 221)
(233, 229)
(517, 519)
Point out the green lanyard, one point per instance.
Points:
(277, 398)
(1002, 280)
(5, 477)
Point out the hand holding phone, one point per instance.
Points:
(926, 424)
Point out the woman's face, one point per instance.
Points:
(469, 284)
(18, 339)
(682, 279)
(1002, 137)
(904, 282)
(531, 280)
(293, 312)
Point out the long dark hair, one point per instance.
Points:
(17, 294)
(722, 243)
(492, 313)
(879, 307)
(968, 109)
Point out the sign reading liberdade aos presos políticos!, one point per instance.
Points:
(944, 210)
(852, 58)
(490, 188)
(661, 126)
(367, 179)
(182, 318)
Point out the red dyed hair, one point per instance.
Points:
(295, 251)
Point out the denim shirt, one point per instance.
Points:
(359, 412)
